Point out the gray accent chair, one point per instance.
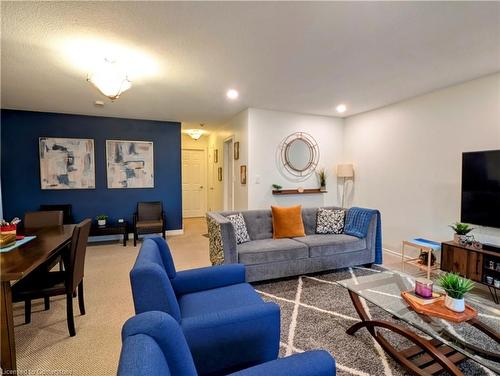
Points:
(267, 258)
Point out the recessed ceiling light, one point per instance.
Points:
(341, 108)
(232, 94)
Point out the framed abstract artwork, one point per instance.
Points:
(66, 163)
(237, 150)
(129, 164)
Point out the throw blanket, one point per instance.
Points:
(356, 224)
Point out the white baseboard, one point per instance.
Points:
(107, 238)
(396, 253)
(175, 232)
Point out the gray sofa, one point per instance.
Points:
(268, 258)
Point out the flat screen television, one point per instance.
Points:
(481, 188)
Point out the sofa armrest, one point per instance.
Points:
(243, 337)
(221, 235)
(208, 278)
(310, 363)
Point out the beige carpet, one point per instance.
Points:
(44, 345)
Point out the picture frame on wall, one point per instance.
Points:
(66, 163)
(219, 174)
(216, 155)
(243, 174)
(236, 150)
(129, 164)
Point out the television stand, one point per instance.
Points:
(474, 264)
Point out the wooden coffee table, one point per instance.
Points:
(451, 343)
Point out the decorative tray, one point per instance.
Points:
(438, 309)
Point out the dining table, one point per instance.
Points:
(15, 265)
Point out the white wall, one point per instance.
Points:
(267, 129)
(237, 128)
(407, 157)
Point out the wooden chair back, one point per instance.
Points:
(40, 219)
(76, 262)
(149, 211)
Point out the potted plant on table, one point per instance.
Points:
(322, 179)
(101, 219)
(277, 187)
(461, 230)
(456, 287)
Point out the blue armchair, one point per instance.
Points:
(225, 322)
(153, 344)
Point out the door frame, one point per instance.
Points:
(228, 175)
(205, 208)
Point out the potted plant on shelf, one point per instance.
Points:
(277, 187)
(101, 219)
(322, 179)
(456, 287)
(461, 230)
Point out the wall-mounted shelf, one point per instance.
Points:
(296, 191)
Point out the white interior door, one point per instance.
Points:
(194, 180)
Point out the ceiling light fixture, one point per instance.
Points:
(195, 134)
(341, 108)
(110, 79)
(232, 94)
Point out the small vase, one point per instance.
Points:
(457, 238)
(457, 305)
(323, 188)
(101, 222)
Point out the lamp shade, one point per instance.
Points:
(345, 171)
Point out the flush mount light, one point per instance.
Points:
(110, 79)
(195, 134)
(341, 108)
(232, 94)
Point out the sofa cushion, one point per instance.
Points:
(330, 221)
(287, 222)
(327, 245)
(259, 224)
(217, 300)
(271, 250)
(240, 229)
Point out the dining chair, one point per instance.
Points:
(45, 284)
(43, 218)
(67, 210)
(149, 219)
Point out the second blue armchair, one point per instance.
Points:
(227, 325)
(154, 345)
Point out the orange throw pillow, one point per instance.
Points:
(287, 222)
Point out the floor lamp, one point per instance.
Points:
(344, 171)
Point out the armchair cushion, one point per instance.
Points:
(149, 224)
(218, 300)
(311, 363)
(226, 341)
(194, 280)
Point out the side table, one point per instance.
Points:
(424, 245)
(118, 228)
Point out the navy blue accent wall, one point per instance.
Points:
(20, 175)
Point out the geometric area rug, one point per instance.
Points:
(315, 314)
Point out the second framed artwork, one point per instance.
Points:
(129, 164)
(243, 174)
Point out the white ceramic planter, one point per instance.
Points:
(457, 305)
(101, 222)
(457, 238)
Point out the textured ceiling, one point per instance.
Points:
(300, 57)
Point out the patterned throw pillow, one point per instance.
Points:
(240, 228)
(330, 221)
